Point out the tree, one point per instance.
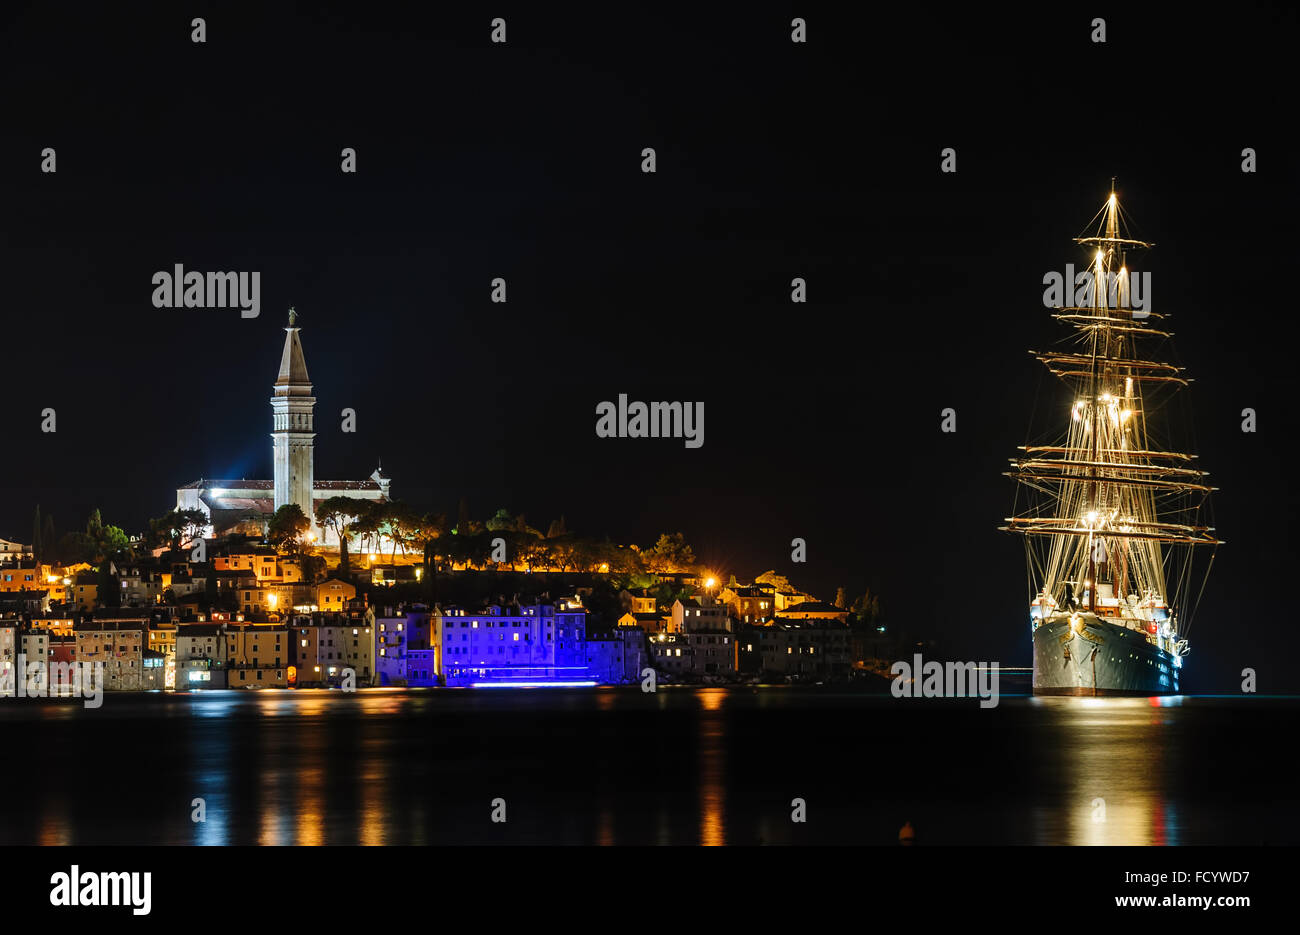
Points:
(191, 523)
(49, 541)
(368, 518)
(532, 551)
(337, 513)
(866, 609)
(432, 528)
(565, 552)
(112, 543)
(400, 521)
(670, 554)
(313, 568)
(38, 552)
(500, 521)
(167, 530)
(75, 547)
(842, 598)
(780, 582)
(287, 527)
(108, 590)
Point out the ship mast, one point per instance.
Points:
(1106, 501)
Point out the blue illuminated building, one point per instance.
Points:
(510, 646)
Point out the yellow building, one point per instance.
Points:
(85, 591)
(257, 656)
(260, 563)
(162, 639)
(334, 594)
(20, 579)
(326, 645)
(56, 626)
(120, 646)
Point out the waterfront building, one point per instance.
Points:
(119, 644)
(809, 648)
(618, 658)
(326, 644)
(690, 614)
(749, 603)
(537, 643)
(396, 636)
(200, 656)
(257, 655)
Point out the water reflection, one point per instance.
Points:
(1114, 767)
(274, 825)
(713, 764)
(374, 794)
(55, 829)
(622, 766)
(309, 800)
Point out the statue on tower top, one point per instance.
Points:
(293, 317)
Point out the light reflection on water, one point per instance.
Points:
(713, 767)
(682, 766)
(1114, 772)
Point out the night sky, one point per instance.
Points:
(775, 160)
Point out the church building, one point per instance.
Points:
(249, 504)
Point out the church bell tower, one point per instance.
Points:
(293, 436)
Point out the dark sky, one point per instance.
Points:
(775, 160)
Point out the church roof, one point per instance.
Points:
(243, 484)
(258, 505)
(293, 367)
(345, 485)
(206, 483)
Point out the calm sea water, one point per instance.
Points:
(616, 766)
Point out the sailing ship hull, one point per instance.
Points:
(1099, 658)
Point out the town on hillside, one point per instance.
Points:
(407, 600)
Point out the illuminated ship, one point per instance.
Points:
(1115, 527)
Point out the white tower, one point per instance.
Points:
(292, 405)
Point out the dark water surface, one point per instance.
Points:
(616, 766)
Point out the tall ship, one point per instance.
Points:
(1116, 523)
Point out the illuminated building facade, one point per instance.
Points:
(325, 644)
(249, 504)
(120, 646)
(528, 645)
(257, 656)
